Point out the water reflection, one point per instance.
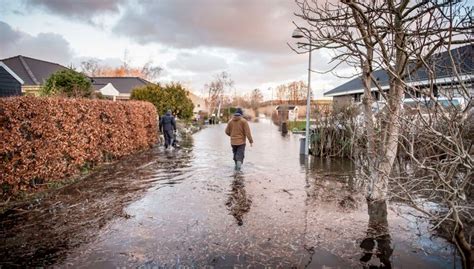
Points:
(376, 246)
(238, 203)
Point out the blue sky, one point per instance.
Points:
(191, 40)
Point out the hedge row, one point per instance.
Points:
(47, 139)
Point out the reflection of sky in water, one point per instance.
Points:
(289, 216)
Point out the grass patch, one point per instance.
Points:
(25, 197)
(296, 125)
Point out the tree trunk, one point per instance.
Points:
(464, 248)
(377, 240)
(373, 180)
(392, 128)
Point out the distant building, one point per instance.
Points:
(199, 104)
(124, 85)
(287, 112)
(33, 72)
(444, 79)
(10, 83)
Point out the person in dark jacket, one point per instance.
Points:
(239, 131)
(167, 128)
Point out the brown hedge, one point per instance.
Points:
(47, 139)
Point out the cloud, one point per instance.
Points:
(83, 9)
(254, 32)
(194, 40)
(263, 25)
(103, 62)
(47, 46)
(198, 61)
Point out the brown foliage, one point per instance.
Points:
(47, 139)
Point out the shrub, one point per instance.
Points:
(67, 83)
(47, 139)
(172, 96)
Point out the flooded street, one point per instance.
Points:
(189, 208)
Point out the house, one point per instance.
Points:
(287, 112)
(10, 83)
(444, 80)
(199, 103)
(33, 72)
(124, 85)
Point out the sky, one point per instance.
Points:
(192, 40)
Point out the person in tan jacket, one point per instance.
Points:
(239, 131)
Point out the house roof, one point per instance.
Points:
(123, 84)
(9, 71)
(195, 98)
(32, 71)
(286, 107)
(462, 56)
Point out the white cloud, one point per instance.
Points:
(48, 46)
(263, 25)
(198, 61)
(192, 40)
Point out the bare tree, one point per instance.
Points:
(282, 92)
(396, 36)
(437, 143)
(256, 97)
(216, 90)
(297, 91)
(293, 92)
(91, 67)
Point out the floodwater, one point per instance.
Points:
(188, 208)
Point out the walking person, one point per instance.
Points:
(239, 131)
(168, 128)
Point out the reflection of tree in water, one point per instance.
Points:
(238, 203)
(377, 243)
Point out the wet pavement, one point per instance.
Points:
(188, 208)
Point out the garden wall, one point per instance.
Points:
(48, 139)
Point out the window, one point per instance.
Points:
(357, 97)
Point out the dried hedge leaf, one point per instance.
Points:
(47, 139)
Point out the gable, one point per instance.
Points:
(10, 72)
(32, 71)
(124, 85)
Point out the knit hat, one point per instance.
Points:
(238, 112)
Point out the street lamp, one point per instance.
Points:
(298, 33)
(271, 100)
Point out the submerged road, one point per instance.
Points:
(189, 208)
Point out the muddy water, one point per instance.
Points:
(189, 208)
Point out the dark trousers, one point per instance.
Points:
(169, 136)
(239, 152)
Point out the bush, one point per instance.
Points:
(67, 83)
(173, 96)
(47, 139)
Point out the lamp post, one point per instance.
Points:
(271, 100)
(298, 33)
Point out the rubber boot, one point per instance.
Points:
(238, 165)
